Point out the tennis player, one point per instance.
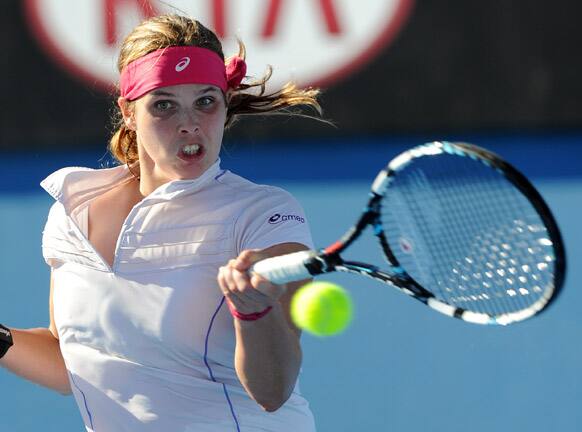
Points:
(155, 324)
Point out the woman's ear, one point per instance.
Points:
(127, 113)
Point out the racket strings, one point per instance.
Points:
(463, 231)
(484, 250)
(486, 266)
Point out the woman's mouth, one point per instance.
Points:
(191, 152)
(191, 149)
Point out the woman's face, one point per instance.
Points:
(179, 131)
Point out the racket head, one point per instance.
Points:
(470, 229)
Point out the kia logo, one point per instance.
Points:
(309, 42)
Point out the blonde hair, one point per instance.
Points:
(248, 98)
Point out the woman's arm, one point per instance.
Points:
(36, 355)
(268, 352)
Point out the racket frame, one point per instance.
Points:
(310, 263)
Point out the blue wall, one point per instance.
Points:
(399, 366)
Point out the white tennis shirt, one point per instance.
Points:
(149, 343)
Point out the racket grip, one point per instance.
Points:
(285, 268)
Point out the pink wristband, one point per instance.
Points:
(247, 317)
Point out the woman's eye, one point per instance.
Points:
(163, 105)
(205, 101)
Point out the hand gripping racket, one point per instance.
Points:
(462, 231)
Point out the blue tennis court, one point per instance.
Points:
(398, 355)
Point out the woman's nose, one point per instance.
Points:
(189, 124)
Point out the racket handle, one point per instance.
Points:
(285, 268)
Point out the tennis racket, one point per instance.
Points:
(461, 230)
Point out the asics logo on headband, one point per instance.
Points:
(184, 62)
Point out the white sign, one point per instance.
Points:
(312, 42)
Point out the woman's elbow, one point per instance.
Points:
(65, 392)
(274, 401)
(271, 406)
(63, 389)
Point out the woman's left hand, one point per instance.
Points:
(248, 293)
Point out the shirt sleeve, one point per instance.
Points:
(50, 250)
(62, 243)
(272, 218)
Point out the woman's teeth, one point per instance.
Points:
(191, 149)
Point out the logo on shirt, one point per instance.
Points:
(183, 64)
(278, 218)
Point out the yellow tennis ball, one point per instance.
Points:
(321, 308)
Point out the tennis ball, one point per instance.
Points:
(321, 308)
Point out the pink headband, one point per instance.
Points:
(179, 65)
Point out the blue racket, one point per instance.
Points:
(461, 230)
